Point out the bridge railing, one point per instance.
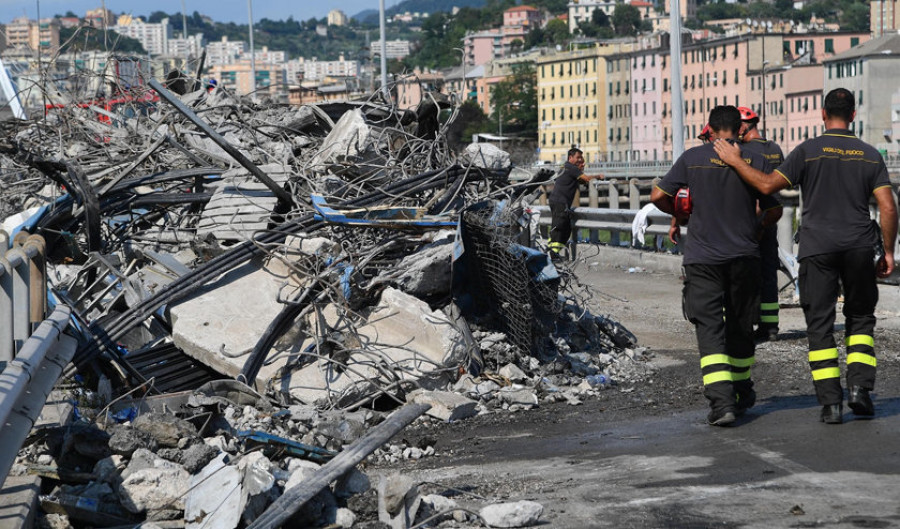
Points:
(33, 350)
(23, 290)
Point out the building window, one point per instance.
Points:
(829, 45)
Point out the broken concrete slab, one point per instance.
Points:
(166, 429)
(445, 405)
(521, 396)
(350, 136)
(214, 325)
(149, 489)
(486, 156)
(513, 373)
(517, 514)
(401, 332)
(240, 204)
(214, 500)
(426, 273)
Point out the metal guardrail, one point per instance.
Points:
(33, 351)
(611, 220)
(27, 380)
(23, 290)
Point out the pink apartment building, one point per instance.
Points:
(646, 106)
(522, 16)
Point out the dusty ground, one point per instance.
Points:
(470, 454)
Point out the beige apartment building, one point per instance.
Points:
(24, 33)
(572, 103)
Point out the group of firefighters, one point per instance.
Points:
(725, 188)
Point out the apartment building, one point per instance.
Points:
(314, 69)
(527, 16)
(238, 77)
(26, 34)
(883, 17)
(583, 11)
(870, 72)
(224, 51)
(153, 37)
(394, 49)
(336, 17)
(618, 112)
(571, 103)
(646, 106)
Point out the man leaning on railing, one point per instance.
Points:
(564, 188)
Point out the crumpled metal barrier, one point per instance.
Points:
(27, 380)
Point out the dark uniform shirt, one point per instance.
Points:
(566, 185)
(837, 173)
(723, 222)
(769, 149)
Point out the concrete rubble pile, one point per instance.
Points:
(257, 287)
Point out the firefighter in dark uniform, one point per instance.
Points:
(837, 174)
(564, 188)
(721, 265)
(767, 328)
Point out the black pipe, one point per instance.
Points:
(278, 190)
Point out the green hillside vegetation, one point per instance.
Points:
(850, 14)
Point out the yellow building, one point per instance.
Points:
(573, 102)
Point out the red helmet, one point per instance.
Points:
(748, 115)
(705, 134)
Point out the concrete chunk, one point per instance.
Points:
(152, 489)
(513, 373)
(445, 405)
(214, 501)
(402, 331)
(486, 156)
(518, 514)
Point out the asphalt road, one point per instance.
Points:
(642, 456)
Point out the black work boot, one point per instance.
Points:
(721, 417)
(744, 397)
(832, 414)
(860, 402)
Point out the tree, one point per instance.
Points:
(626, 20)
(855, 18)
(557, 32)
(599, 18)
(516, 99)
(719, 11)
(470, 120)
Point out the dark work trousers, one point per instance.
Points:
(721, 301)
(768, 289)
(819, 275)
(560, 227)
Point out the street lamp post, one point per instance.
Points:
(764, 132)
(465, 83)
(252, 49)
